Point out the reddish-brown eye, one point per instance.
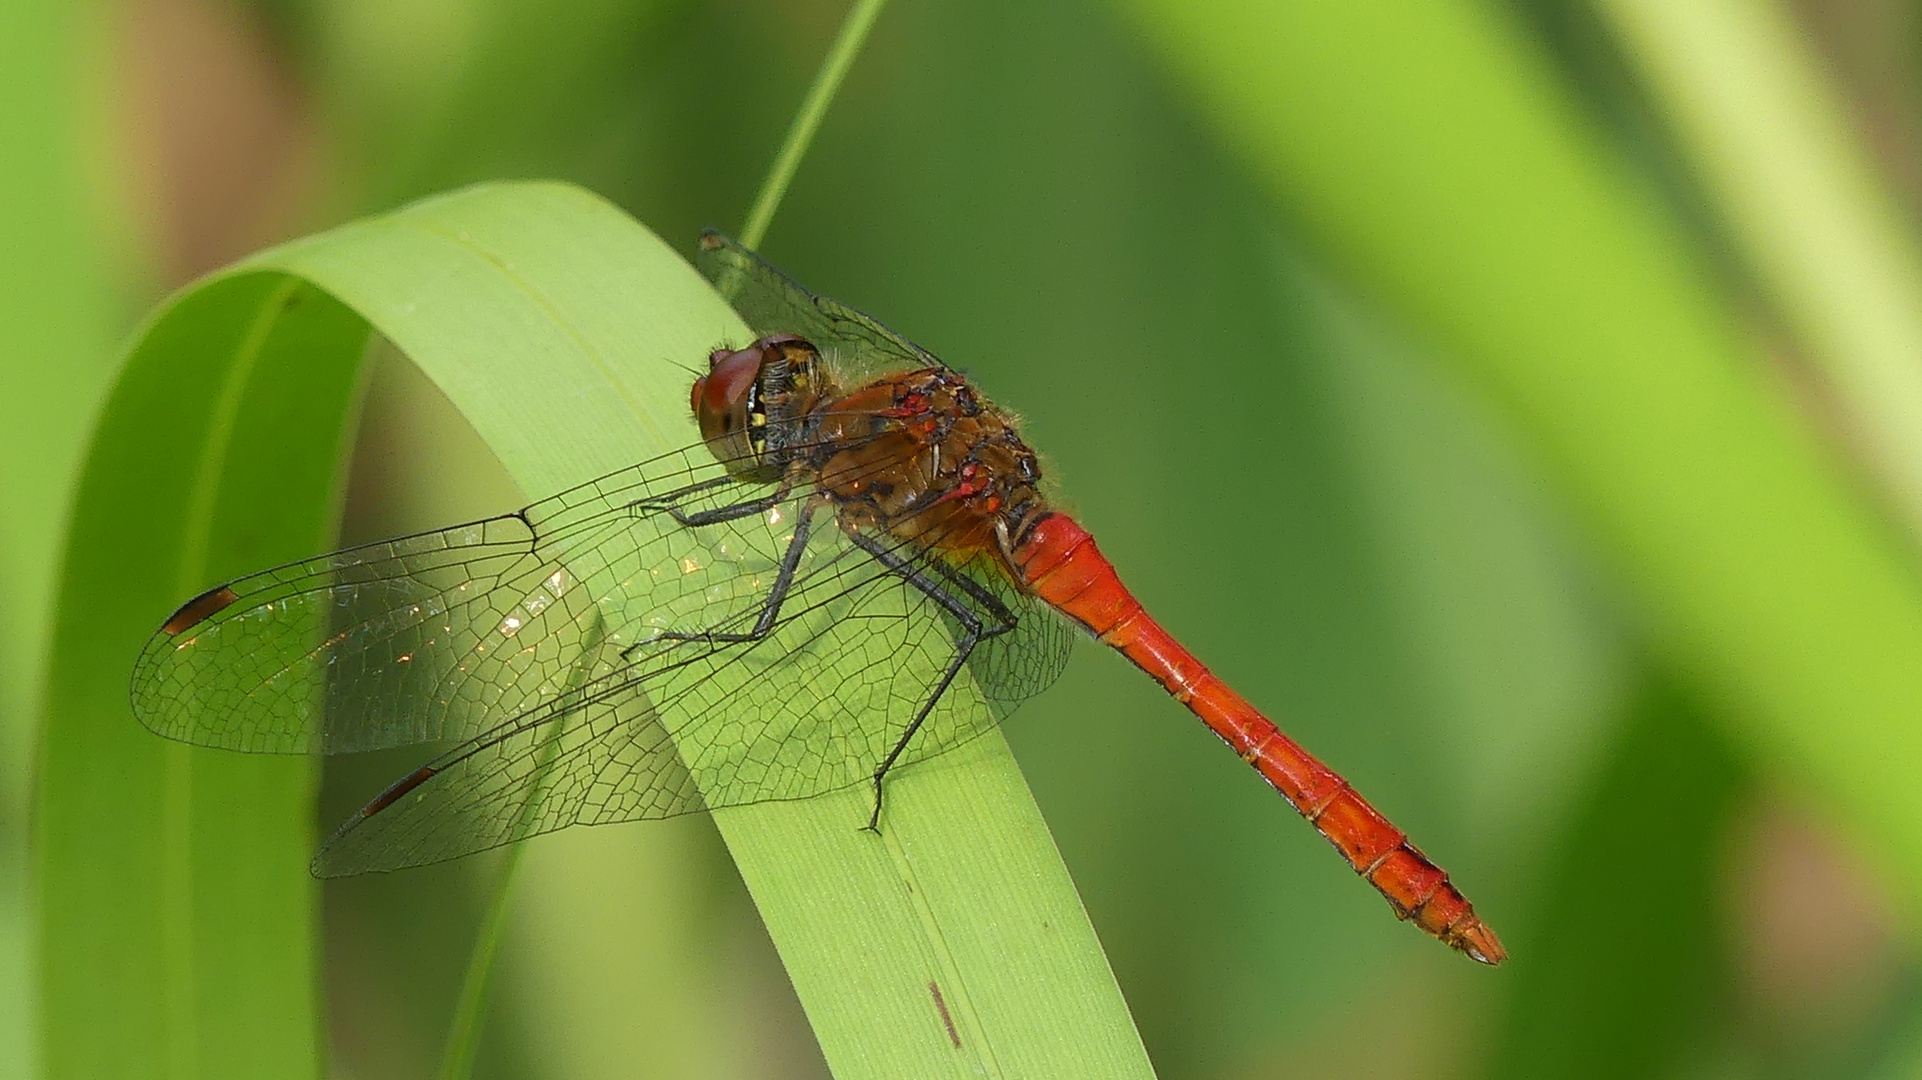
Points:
(694, 400)
(727, 385)
(720, 403)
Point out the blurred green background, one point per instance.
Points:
(1300, 460)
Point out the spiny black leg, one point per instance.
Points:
(1003, 618)
(655, 502)
(973, 631)
(962, 649)
(719, 514)
(770, 610)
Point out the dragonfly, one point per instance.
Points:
(856, 569)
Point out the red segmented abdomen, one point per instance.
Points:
(1058, 560)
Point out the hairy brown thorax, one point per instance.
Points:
(923, 457)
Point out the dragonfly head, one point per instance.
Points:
(749, 400)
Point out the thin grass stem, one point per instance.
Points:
(463, 1035)
(840, 57)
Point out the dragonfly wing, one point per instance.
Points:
(857, 345)
(818, 703)
(594, 660)
(381, 645)
(434, 637)
(594, 756)
(664, 720)
(1021, 663)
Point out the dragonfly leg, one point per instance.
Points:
(1004, 618)
(770, 609)
(719, 514)
(974, 630)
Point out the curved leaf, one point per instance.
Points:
(953, 944)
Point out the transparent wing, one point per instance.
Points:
(855, 344)
(663, 720)
(1013, 667)
(425, 638)
(599, 755)
(591, 656)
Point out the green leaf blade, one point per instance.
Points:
(172, 898)
(555, 324)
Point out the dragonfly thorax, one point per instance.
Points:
(923, 456)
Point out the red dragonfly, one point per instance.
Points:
(856, 570)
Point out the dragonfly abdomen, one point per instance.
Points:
(1058, 560)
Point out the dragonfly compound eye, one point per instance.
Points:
(721, 396)
(726, 402)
